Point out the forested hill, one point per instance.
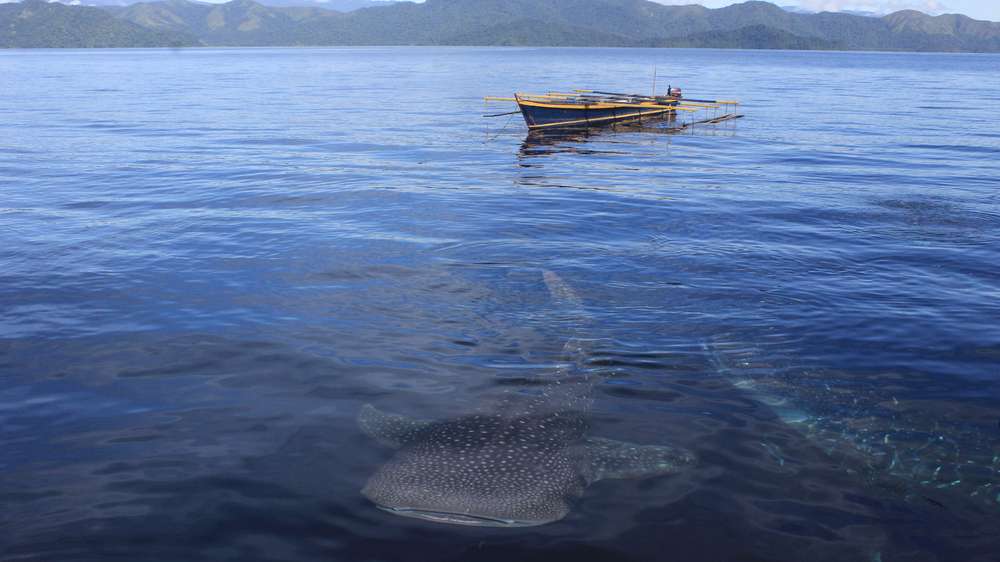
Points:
(619, 23)
(35, 23)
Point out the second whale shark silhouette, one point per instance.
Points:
(939, 449)
(517, 463)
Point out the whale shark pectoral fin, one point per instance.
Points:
(391, 430)
(616, 459)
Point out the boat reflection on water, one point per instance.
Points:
(547, 142)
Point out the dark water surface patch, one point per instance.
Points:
(208, 271)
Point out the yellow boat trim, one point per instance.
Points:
(599, 105)
(577, 121)
(559, 95)
(603, 95)
(548, 97)
(564, 94)
(555, 105)
(578, 96)
(723, 102)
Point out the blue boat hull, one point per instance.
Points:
(538, 117)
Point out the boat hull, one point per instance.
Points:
(542, 115)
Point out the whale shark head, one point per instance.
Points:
(467, 491)
(498, 471)
(482, 470)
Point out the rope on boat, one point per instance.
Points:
(511, 117)
(502, 114)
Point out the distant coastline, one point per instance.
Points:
(541, 23)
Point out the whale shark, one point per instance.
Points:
(518, 461)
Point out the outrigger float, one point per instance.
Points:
(592, 108)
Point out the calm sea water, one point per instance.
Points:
(212, 258)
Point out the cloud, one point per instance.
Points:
(877, 6)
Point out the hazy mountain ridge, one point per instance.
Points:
(335, 5)
(559, 22)
(528, 32)
(749, 37)
(240, 22)
(35, 23)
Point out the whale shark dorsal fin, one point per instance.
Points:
(391, 430)
(617, 459)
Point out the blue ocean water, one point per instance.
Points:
(212, 258)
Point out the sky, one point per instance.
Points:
(979, 9)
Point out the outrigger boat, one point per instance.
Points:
(591, 108)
